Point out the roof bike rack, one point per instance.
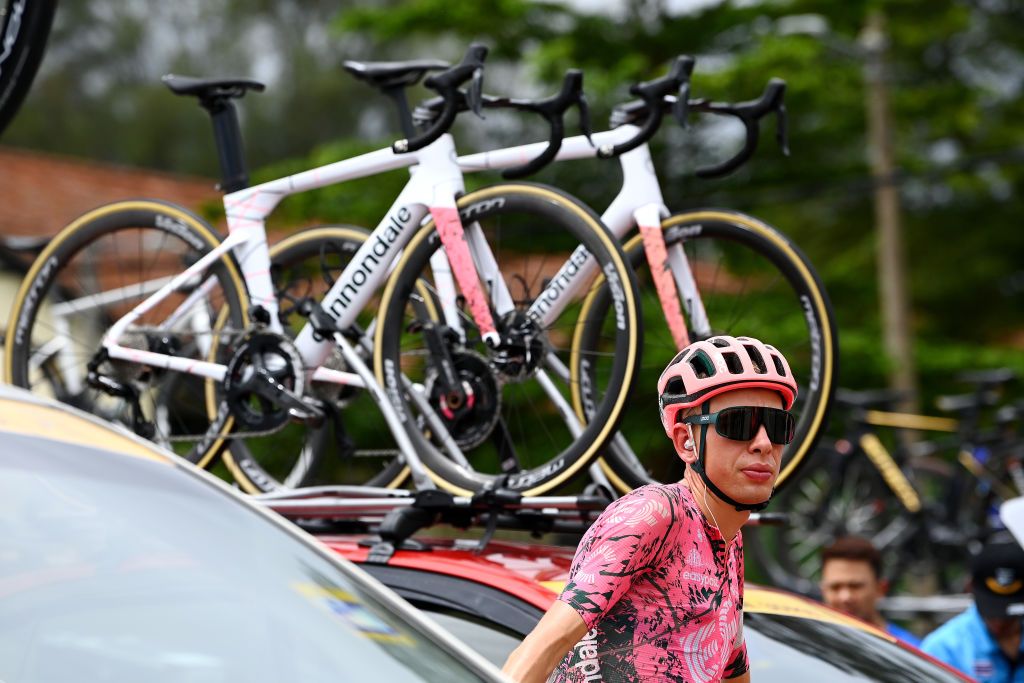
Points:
(395, 515)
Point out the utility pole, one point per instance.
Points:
(891, 273)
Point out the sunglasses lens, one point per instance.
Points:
(742, 422)
(779, 424)
(739, 424)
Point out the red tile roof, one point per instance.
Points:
(41, 193)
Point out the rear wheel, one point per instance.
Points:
(94, 273)
(752, 282)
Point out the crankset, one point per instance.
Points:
(264, 384)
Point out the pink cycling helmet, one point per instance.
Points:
(719, 364)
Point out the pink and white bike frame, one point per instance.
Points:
(639, 202)
(434, 184)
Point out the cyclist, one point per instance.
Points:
(655, 591)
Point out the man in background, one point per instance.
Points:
(851, 582)
(985, 640)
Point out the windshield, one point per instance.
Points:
(123, 569)
(785, 649)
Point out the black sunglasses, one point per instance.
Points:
(740, 423)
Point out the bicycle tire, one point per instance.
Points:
(303, 266)
(24, 29)
(541, 218)
(90, 257)
(729, 252)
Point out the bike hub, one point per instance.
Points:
(522, 349)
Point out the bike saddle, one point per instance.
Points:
(994, 377)
(876, 398)
(386, 75)
(211, 88)
(965, 403)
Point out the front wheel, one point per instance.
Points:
(753, 282)
(514, 418)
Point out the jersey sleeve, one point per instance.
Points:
(629, 538)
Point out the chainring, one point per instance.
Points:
(262, 365)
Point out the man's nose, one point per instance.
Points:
(760, 443)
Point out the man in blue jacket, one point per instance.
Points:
(985, 640)
(851, 582)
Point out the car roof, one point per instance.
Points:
(25, 414)
(514, 568)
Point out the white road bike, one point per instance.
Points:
(701, 272)
(470, 348)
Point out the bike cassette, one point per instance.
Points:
(264, 383)
(472, 420)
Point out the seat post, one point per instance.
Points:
(397, 93)
(228, 138)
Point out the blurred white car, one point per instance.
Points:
(122, 563)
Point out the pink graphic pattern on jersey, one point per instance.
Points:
(661, 592)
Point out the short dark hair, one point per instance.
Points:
(855, 548)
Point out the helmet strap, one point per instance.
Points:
(698, 467)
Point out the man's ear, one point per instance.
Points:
(883, 586)
(683, 441)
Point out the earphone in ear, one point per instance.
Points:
(688, 445)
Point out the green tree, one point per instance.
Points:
(958, 141)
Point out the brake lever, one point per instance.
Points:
(681, 107)
(782, 128)
(474, 96)
(584, 108)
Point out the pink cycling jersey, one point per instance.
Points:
(661, 593)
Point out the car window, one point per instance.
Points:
(124, 569)
(494, 642)
(785, 649)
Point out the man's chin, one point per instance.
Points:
(753, 495)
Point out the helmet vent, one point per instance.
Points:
(732, 361)
(675, 386)
(778, 365)
(719, 342)
(756, 359)
(702, 365)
